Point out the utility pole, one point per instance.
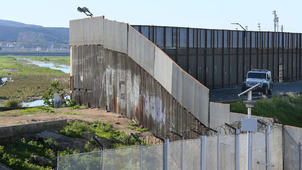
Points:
(276, 21)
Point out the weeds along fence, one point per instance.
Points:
(221, 152)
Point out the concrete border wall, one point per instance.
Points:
(10, 133)
(109, 85)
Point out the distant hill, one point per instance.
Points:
(15, 24)
(32, 36)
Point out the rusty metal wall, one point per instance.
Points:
(221, 58)
(111, 80)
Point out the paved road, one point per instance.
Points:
(231, 94)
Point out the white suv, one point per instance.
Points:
(263, 77)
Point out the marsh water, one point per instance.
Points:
(61, 67)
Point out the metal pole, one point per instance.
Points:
(203, 152)
(166, 154)
(267, 141)
(218, 150)
(237, 158)
(300, 159)
(102, 154)
(58, 159)
(140, 157)
(249, 143)
(182, 153)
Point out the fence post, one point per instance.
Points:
(203, 152)
(182, 153)
(249, 150)
(300, 159)
(102, 159)
(237, 166)
(58, 159)
(166, 155)
(218, 150)
(267, 141)
(140, 157)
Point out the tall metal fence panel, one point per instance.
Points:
(220, 152)
(221, 58)
(292, 153)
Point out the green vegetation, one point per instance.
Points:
(13, 103)
(103, 130)
(28, 81)
(34, 153)
(134, 126)
(30, 154)
(284, 109)
(34, 110)
(48, 95)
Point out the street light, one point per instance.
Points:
(236, 23)
(249, 124)
(85, 11)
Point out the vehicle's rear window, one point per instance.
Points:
(257, 75)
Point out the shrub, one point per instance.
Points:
(48, 96)
(13, 103)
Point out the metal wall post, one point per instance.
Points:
(237, 156)
(203, 143)
(166, 155)
(218, 150)
(140, 157)
(182, 153)
(267, 142)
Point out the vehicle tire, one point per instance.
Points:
(243, 88)
(270, 92)
(265, 91)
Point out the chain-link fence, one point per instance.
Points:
(221, 152)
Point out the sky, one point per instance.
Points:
(215, 14)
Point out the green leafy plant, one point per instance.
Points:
(48, 96)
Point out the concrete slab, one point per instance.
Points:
(141, 50)
(177, 82)
(219, 114)
(163, 69)
(115, 36)
(87, 31)
(201, 103)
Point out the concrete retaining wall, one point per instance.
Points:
(11, 133)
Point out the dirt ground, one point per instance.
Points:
(119, 122)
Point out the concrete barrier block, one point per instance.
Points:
(87, 31)
(201, 103)
(163, 69)
(188, 90)
(219, 114)
(177, 77)
(115, 36)
(190, 93)
(141, 50)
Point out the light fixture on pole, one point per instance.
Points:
(249, 124)
(85, 11)
(236, 23)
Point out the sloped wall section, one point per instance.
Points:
(115, 67)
